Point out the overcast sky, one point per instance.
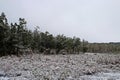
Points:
(93, 20)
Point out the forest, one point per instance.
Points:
(16, 37)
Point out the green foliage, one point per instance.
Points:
(14, 36)
(4, 34)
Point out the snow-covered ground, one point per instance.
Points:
(102, 76)
(61, 67)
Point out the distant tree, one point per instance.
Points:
(4, 34)
(84, 46)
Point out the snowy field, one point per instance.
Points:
(88, 66)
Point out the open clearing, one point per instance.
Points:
(87, 66)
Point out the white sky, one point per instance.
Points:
(93, 20)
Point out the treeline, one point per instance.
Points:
(15, 37)
(111, 47)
